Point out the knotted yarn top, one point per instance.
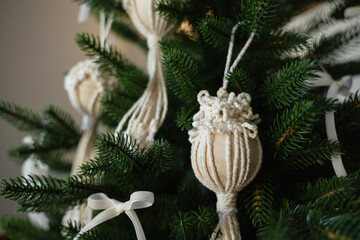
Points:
(87, 70)
(224, 113)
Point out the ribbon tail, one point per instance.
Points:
(100, 218)
(137, 225)
(331, 133)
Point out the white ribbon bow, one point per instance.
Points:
(335, 87)
(113, 208)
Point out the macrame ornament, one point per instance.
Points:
(34, 167)
(85, 85)
(226, 152)
(148, 113)
(341, 90)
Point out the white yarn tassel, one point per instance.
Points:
(148, 113)
(228, 224)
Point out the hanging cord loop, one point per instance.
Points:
(229, 69)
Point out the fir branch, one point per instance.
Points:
(345, 226)
(279, 227)
(119, 153)
(160, 157)
(180, 72)
(240, 81)
(215, 30)
(181, 226)
(289, 131)
(184, 117)
(315, 152)
(327, 193)
(116, 105)
(43, 150)
(56, 161)
(21, 118)
(79, 187)
(61, 122)
(288, 84)
(171, 10)
(73, 228)
(259, 203)
(21, 153)
(123, 28)
(279, 43)
(23, 229)
(32, 189)
(348, 115)
(256, 14)
(205, 218)
(95, 167)
(130, 78)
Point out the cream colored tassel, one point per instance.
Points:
(148, 113)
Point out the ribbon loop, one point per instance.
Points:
(113, 208)
(100, 201)
(141, 199)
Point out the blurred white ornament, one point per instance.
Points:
(34, 167)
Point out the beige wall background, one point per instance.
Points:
(36, 49)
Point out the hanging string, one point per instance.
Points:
(105, 27)
(229, 69)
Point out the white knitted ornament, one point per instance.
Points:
(85, 85)
(148, 113)
(226, 152)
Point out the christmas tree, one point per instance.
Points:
(297, 60)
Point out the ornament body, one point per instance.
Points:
(226, 152)
(85, 85)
